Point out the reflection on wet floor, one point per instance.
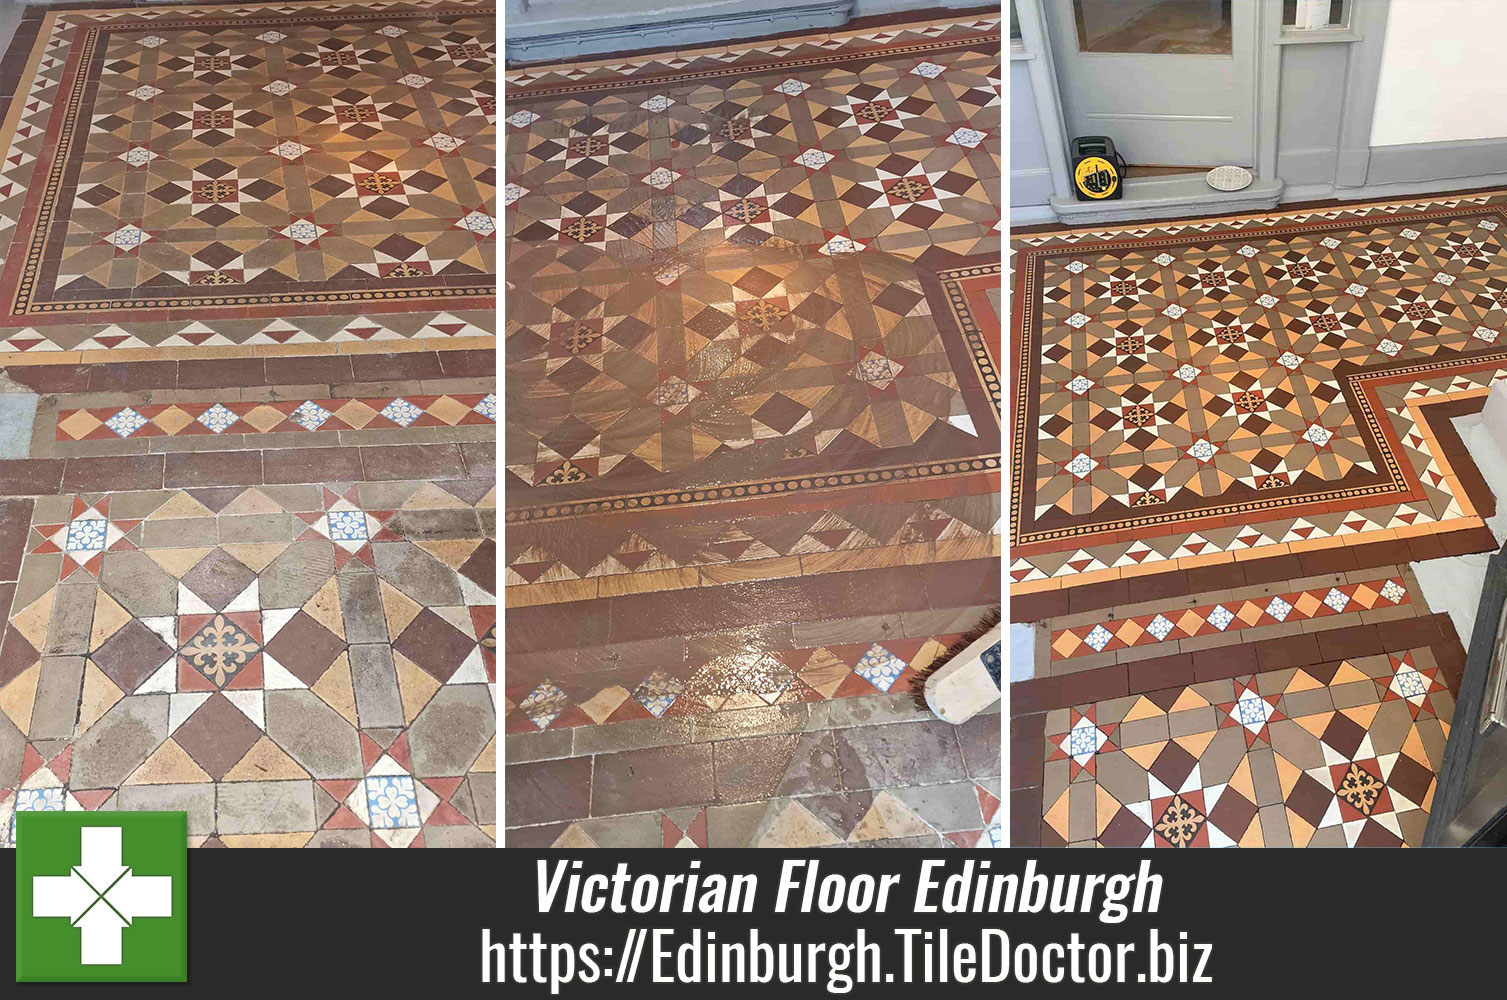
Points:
(752, 459)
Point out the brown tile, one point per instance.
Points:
(1093, 596)
(1272, 569)
(221, 372)
(329, 369)
(656, 778)
(114, 473)
(15, 521)
(133, 375)
(1161, 672)
(312, 465)
(1026, 749)
(403, 365)
(549, 791)
(1289, 651)
(1346, 643)
(458, 364)
(436, 461)
(1225, 661)
(213, 468)
(31, 476)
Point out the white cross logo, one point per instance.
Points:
(101, 896)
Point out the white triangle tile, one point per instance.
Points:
(276, 677)
(273, 620)
(385, 765)
(473, 670)
(246, 600)
(189, 603)
(181, 706)
(164, 679)
(251, 705)
(474, 595)
(166, 628)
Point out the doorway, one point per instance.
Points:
(1172, 82)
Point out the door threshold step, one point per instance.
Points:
(1167, 197)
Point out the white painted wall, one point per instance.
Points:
(1441, 76)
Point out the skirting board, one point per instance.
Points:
(1368, 192)
(1031, 186)
(1031, 215)
(1174, 197)
(1435, 161)
(529, 41)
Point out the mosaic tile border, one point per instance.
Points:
(1217, 618)
(213, 417)
(733, 682)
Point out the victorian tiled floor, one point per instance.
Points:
(1243, 426)
(752, 439)
(247, 559)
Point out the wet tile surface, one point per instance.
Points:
(752, 451)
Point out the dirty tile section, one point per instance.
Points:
(286, 663)
(248, 537)
(872, 772)
(752, 460)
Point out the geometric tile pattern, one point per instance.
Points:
(1219, 386)
(294, 665)
(329, 177)
(1226, 617)
(1337, 755)
(275, 417)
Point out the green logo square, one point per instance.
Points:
(101, 897)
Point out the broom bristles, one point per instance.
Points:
(918, 692)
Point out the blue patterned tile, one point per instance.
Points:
(392, 802)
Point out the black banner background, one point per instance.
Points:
(408, 923)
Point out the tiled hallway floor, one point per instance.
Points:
(247, 542)
(752, 462)
(1231, 438)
